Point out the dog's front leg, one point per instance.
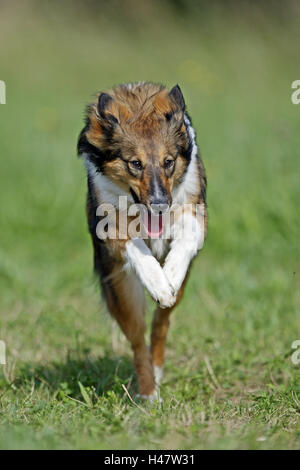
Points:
(151, 274)
(188, 238)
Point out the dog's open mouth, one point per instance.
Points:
(153, 224)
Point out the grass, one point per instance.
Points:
(229, 380)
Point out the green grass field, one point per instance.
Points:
(229, 379)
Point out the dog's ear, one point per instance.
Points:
(177, 96)
(104, 107)
(175, 116)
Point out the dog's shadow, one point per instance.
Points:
(98, 376)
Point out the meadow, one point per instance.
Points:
(229, 380)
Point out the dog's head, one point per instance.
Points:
(136, 136)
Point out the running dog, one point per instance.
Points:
(138, 141)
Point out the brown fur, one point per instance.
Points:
(143, 134)
(145, 123)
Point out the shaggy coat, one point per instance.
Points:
(138, 142)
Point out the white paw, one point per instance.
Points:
(151, 398)
(160, 289)
(178, 261)
(158, 374)
(166, 299)
(150, 272)
(174, 275)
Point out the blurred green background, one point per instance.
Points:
(229, 381)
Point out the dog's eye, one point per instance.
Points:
(168, 163)
(136, 164)
(169, 116)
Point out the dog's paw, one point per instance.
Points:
(166, 299)
(152, 398)
(161, 290)
(174, 276)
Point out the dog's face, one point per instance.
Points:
(139, 140)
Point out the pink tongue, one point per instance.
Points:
(153, 225)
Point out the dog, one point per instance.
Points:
(138, 142)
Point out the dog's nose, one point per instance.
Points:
(159, 207)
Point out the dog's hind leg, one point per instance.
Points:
(160, 326)
(126, 301)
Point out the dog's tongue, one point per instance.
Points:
(154, 225)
